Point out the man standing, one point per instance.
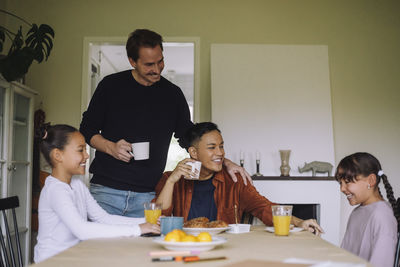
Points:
(134, 106)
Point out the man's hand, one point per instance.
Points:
(312, 226)
(120, 150)
(233, 168)
(165, 196)
(182, 169)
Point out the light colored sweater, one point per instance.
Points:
(64, 214)
(372, 233)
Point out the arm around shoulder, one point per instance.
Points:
(234, 169)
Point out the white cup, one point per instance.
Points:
(196, 167)
(140, 151)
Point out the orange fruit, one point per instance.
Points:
(172, 237)
(189, 238)
(204, 237)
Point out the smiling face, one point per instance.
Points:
(359, 191)
(209, 150)
(149, 65)
(74, 155)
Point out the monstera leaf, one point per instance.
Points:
(36, 45)
(40, 40)
(17, 42)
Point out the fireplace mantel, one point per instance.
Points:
(292, 178)
(324, 191)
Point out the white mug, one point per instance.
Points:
(140, 151)
(196, 167)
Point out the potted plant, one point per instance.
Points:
(35, 45)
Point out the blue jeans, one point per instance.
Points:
(121, 202)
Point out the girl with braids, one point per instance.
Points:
(65, 204)
(372, 227)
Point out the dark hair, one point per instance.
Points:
(363, 163)
(195, 133)
(56, 136)
(142, 38)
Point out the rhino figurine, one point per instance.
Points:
(317, 166)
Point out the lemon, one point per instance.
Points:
(204, 237)
(179, 232)
(172, 237)
(189, 238)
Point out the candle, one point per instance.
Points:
(241, 155)
(257, 155)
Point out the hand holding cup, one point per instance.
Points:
(182, 169)
(120, 150)
(196, 167)
(140, 150)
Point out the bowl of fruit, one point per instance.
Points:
(179, 240)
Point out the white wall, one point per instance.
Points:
(271, 97)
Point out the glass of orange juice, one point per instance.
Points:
(281, 216)
(152, 212)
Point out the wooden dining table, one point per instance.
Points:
(258, 245)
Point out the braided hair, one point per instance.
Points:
(56, 136)
(362, 163)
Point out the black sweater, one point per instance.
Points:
(121, 108)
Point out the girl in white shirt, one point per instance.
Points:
(372, 227)
(67, 211)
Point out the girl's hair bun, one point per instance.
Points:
(54, 136)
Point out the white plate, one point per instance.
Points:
(294, 230)
(211, 231)
(197, 246)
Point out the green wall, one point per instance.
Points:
(362, 35)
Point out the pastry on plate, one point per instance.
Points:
(217, 224)
(199, 222)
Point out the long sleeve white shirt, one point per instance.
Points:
(64, 214)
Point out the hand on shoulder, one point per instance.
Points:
(234, 169)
